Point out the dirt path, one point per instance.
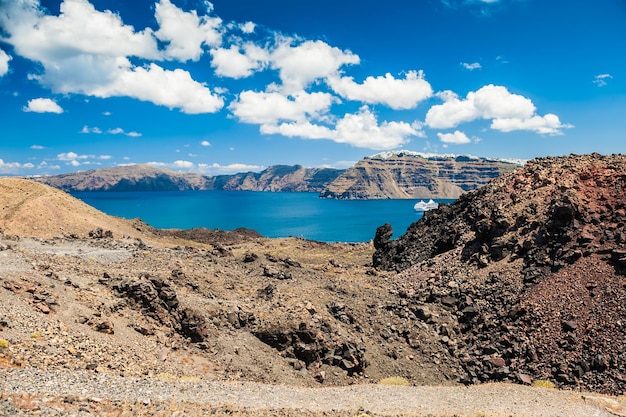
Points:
(378, 400)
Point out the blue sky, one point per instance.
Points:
(236, 85)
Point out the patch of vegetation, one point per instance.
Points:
(395, 380)
(542, 383)
(4, 344)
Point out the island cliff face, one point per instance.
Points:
(413, 175)
(128, 178)
(149, 178)
(279, 178)
(402, 174)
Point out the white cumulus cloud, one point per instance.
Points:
(271, 107)
(120, 131)
(489, 102)
(4, 62)
(42, 105)
(205, 143)
(396, 93)
(548, 124)
(71, 156)
(456, 138)
(83, 50)
(217, 169)
(185, 32)
(360, 129)
(173, 89)
(236, 62)
(79, 29)
(507, 111)
(300, 65)
(247, 27)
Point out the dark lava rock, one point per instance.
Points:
(538, 257)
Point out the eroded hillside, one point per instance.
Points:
(528, 272)
(413, 175)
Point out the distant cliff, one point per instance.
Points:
(279, 178)
(402, 174)
(149, 178)
(406, 174)
(128, 178)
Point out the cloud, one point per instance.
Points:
(79, 29)
(173, 89)
(272, 107)
(395, 93)
(4, 62)
(600, 80)
(76, 160)
(42, 105)
(217, 169)
(456, 138)
(236, 62)
(87, 129)
(87, 51)
(359, 129)
(247, 27)
(10, 167)
(183, 164)
(507, 111)
(471, 67)
(300, 65)
(363, 131)
(72, 156)
(548, 124)
(37, 147)
(185, 32)
(488, 102)
(120, 131)
(205, 143)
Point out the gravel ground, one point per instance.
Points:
(378, 400)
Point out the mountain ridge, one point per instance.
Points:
(397, 175)
(407, 174)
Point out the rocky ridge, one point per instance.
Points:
(406, 174)
(528, 272)
(149, 178)
(287, 178)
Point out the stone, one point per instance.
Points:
(569, 325)
(105, 326)
(498, 362)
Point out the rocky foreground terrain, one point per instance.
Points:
(526, 274)
(520, 282)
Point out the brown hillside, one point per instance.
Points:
(528, 271)
(31, 209)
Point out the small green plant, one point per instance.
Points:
(542, 383)
(395, 380)
(4, 344)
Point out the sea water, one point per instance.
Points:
(271, 214)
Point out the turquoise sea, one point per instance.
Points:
(271, 214)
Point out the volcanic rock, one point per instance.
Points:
(541, 253)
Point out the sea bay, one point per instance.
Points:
(281, 214)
